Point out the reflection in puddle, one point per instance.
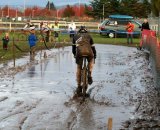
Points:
(31, 71)
(86, 119)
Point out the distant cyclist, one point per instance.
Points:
(83, 45)
(29, 26)
(44, 28)
(56, 30)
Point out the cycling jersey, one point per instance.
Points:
(29, 26)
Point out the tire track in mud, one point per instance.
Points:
(25, 109)
(72, 120)
(22, 122)
(3, 98)
(77, 107)
(74, 114)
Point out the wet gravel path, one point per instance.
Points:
(37, 95)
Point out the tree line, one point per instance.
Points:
(104, 8)
(156, 7)
(96, 9)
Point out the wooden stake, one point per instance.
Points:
(13, 49)
(109, 125)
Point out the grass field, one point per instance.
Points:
(114, 41)
(20, 40)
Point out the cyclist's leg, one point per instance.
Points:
(33, 50)
(90, 68)
(78, 75)
(56, 36)
(47, 36)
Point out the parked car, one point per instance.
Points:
(115, 26)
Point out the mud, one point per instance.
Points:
(38, 94)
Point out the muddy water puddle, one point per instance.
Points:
(40, 97)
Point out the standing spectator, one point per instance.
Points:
(130, 29)
(5, 40)
(32, 39)
(145, 25)
(72, 29)
(56, 30)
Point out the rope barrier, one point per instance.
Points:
(20, 48)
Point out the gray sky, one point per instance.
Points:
(41, 2)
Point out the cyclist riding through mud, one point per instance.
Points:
(44, 28)
(29, 26)
(83, 45)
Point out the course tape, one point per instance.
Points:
(20, 48)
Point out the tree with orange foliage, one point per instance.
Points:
(68, 11)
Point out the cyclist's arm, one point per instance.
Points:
(94, 51)
(93, 47)
(25, 27)
(91, 41)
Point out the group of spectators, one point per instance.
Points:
(130, 30)
(45, 29)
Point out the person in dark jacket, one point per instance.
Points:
(82, 43)
(32, 39)
(5, 40)
(145, 25)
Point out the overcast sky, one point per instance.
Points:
(41, 2)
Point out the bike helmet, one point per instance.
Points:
(82, 29)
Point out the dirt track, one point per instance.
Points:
(39, 97)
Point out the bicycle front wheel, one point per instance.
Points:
(22, 37)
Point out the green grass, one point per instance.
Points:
(114, 41)
(20, 40)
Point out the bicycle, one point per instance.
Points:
(84, 77)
